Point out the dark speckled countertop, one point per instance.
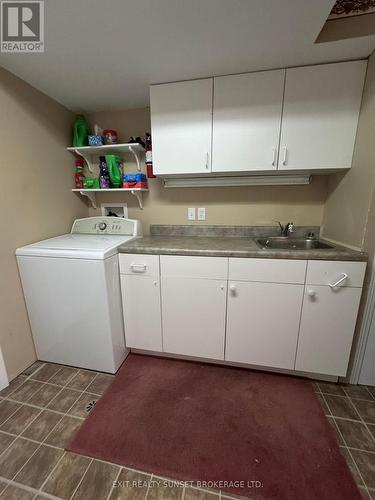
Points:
(176, 241)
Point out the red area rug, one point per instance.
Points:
(254, 434)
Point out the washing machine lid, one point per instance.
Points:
(76, 246)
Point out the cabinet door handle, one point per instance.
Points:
(285, 152)
(207, 160)
(232, 289)
(311, 293)
(138, 268)
(221, 287)
(343, 278)
(273, 156)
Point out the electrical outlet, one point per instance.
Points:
(191, 213)
(201, 213)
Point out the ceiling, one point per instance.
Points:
(103, 55)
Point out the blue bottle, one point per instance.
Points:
(103, 174)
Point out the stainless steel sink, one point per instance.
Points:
(285, 243)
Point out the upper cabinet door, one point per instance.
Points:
(320, 115)
(181, 123)
(246, 121)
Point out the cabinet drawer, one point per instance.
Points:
(144, 265)
(267, 270)
(194, 267)
(327, 272)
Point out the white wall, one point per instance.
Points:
(36, 201)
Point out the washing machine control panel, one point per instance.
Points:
(106, 225)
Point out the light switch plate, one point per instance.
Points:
(201, 213)
(191, 213)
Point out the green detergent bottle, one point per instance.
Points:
(80, 132)
(114, 164)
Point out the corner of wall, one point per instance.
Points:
(350, 194)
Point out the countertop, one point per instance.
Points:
(214, 246)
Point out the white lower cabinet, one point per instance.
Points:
(142, 316)
(140, 290)
(194, 294)
(329, 315)
(194, 316)
(327, 327)
(288, 314)
(262, 323)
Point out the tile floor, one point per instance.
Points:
(43, 408)
(350, 409)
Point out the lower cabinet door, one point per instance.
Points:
(327, 328)
(262, 323)
(193, 311)
(142, 313)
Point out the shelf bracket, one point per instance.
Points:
(138, 195)
(87, 158)
(91, 197)
(136, 159)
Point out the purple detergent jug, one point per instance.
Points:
(103, 174)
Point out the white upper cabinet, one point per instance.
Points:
(246, 121)
(295, 119)
(181, 126)
(320, 115)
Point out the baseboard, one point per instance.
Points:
(313, 376)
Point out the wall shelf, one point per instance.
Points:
(90, 152)
(91, 193)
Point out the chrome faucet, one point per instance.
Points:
(287, 229)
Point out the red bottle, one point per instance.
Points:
(148, 159)
(79, 175)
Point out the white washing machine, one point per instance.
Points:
(71, 285)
